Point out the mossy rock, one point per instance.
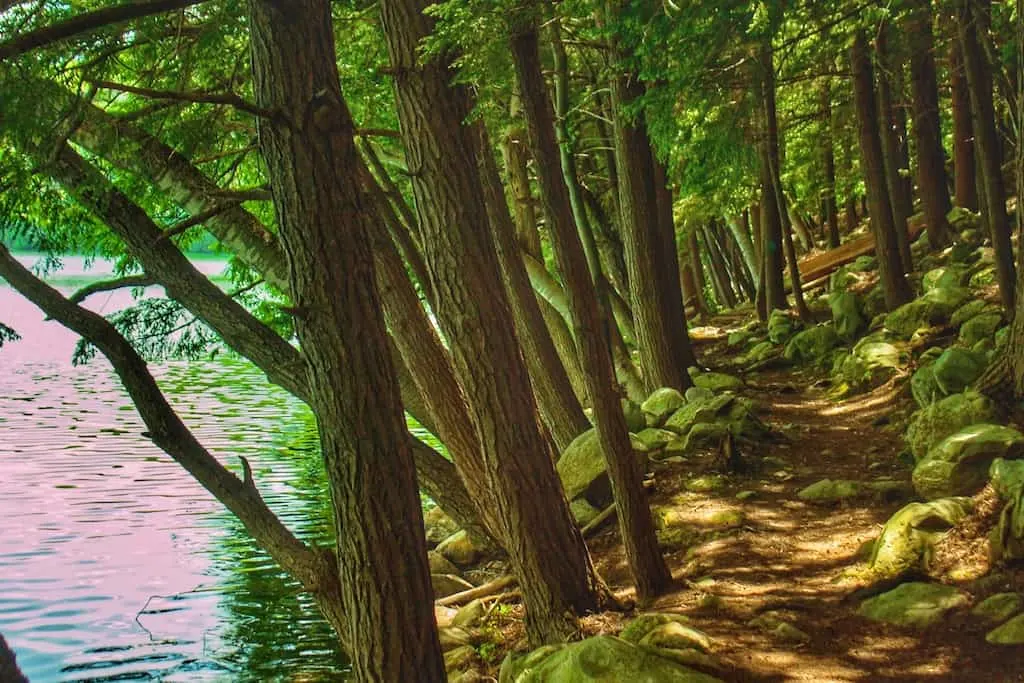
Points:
(959, 465)
(1010, 633)
(986, 277)
(828, 491)
(908, 538)
(957, 369)
(704, 435)
(923, 386)
(781, 326)
(584, 470)
(676, 636)
(997, 608)
(645, 623)
(932, 424)
(708, 483)
(654, 438)
(916, 605)
(660, 404)
(459, 549)
(635, 420)
(601, 659)
(716, 382)
(1007, 477)
(864, 264)
(980, 327)
(961, 219)
(954, 275)
(968, 311)
(583, 512)
(438, 525)
(761, 352)
(811, 344)
(847, 317)
(739, 338)
(693, 412)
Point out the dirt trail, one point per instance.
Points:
(786, 556)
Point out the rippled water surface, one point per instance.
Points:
(114, 563)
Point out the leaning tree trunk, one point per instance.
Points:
(970, 17)
(325, 221)
(894, 282)
(636, 525)
(931, 161)
(531, 513)
(964, 170)
(900, 200)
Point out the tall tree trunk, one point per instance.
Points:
(325, 222)
(894, 282)
(970, 17)
(559, 408)
(636, 525)
(719, 276)
(964, 169)
(771, 211)
(740, 229)
(900, 200)
(696, 265)
(931, 160)
(532, 515)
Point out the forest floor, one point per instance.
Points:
(787, 558)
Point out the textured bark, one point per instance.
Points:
(964, 168)
(772, 283)
(559, 407)
(831, 209)
(900, 200)
(662, 355)
(650, 573)
(741, 233)
(894, 283)
(970, 17)
(325, 221)
(719, 277)
(931, 162)
(532, 515)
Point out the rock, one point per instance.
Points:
(968, 311)
(708, 483)
(645, 623)
(864, 263)
(932, 424)
(583, 512)
(683, 419)
(787, 633)
(690, 657)
(986, 277)
(717, 382)
(812, 344)
(676, 538)
(676, 636)
(781, 326)
(980, 327)
(1007, 477)
(468, 676)
(739, 337)
(908, 537)
(698, 394)
(438, 525)
(746, 495)
(601, 659)
(448, 584)
(955, 275)
(931, 309)
(727, 519)
(1002, 337)
(846, 315)
(1010, 633)
(439, 564)
(703, 435)
(829, 491)
(453, 637)
(470, 614)
(959, 465)
(660, 404)
(961, 219)
(924, 387)
(583, 469)
(956, 369)
(459, 549)
(654, 438)
(917, 605)
(760, 352)
(459, 658)
(635, 420)
(999, 607)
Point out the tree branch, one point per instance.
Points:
(110, 285)
(85, 23)
(229, 99)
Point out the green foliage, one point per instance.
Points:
(7, 334)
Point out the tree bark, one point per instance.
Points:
(894, 283)
(771, 212)
(900, 200)
(521, 484)
(325, 221)
(931, 161)
(650, 573)
(964, 169)
(970, 17)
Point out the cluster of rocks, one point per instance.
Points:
(653, 647)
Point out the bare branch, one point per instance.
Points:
(110, 285)
(85, 23)
(229, 99)
(197, 219)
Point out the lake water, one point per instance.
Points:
(114, 563)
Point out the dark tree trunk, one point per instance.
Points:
(325, 223)
(771, 212)
(931, 159)
(970, 17)
(559, 408)
(522, 487)
(964, 169)
(894, 282)
(900, 200)
(696, 266)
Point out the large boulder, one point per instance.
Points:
(660, 404)
(583, 469)
(980, 327)
(957, 368)
(459, 549)
(846, 315)
(968, 311)
(935, 422)
(954, 275)
(781, 326)
(693, 412)
(438, 525)
(959, 466)
(812, 344)
(601, 659)
(917, 605)
(909, 536)
(871, 359)
(716, 382)
(935, 307)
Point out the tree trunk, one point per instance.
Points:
(696, 266)
(559, 408)
(719, 276)
(894, 283)
(771, 213)
(741, 233)
(325, 223)
(979, 79)
(964, 170)
(521, 483)
(636, 525)
(931, 160)
(900, 200)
